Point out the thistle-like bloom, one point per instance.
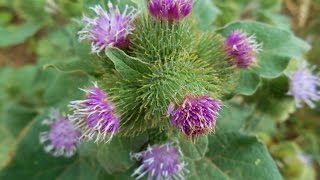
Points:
(304, 87)
(160, 162)
(196, 115)
(62, 138)
(51, 7)
(304, 158)
(109, 28)
(94, 115)
(170, 10)
(243, 49)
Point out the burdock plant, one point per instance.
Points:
(149, 94)
(171, 79)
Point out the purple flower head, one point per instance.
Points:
(62, 138)
(304, 158)
(304, 87)
(170, 10)
(243, 49)
(160, 162)
(108, 28)
(196, 115)
(94, 115)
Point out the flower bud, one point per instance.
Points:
(243, 49)
(160, 162)
(62, 138)
(108, 28)
(170, 10)
(196, 115)
(95, 115)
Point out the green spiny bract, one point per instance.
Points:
(181, 62)
(143, 104)
(174, 79)
(156, 40)
(209, 47)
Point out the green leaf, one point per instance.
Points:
(5, 17)
(260, 123)
(278, 105)
(115, 156)
(70, 8)
(15, 34)
(205, 12)
(65, 88)
(31, 10)
(29, 160)
(205, 169)
(275, 19)
(62, 39)
(83, 169)
(248, 83)
(279, 46)
(19, 83)
(17, 116)
(233, 116)
(7, 143)
(268, 67)
(194, 150)
(141, 4)
(94, 67)
(128, 67)
(234, 156)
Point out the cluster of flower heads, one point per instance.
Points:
(112, 27)
(243, 49)
(62, 137)
(92, 117)
(160, 162)
(304, 86)
(196, 115)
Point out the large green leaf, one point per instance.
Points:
(248, 83)
(94, 67)
(233, 116)
(65, 88)
(64, 40)
(7, 143)
(83, 169)
(21, 97)
(194, 150)
(115, 156)
(16, 117)
(279, 46)
(31, 10)
(278, 105)
(234, 156)
(15, 34)
(205, 13)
